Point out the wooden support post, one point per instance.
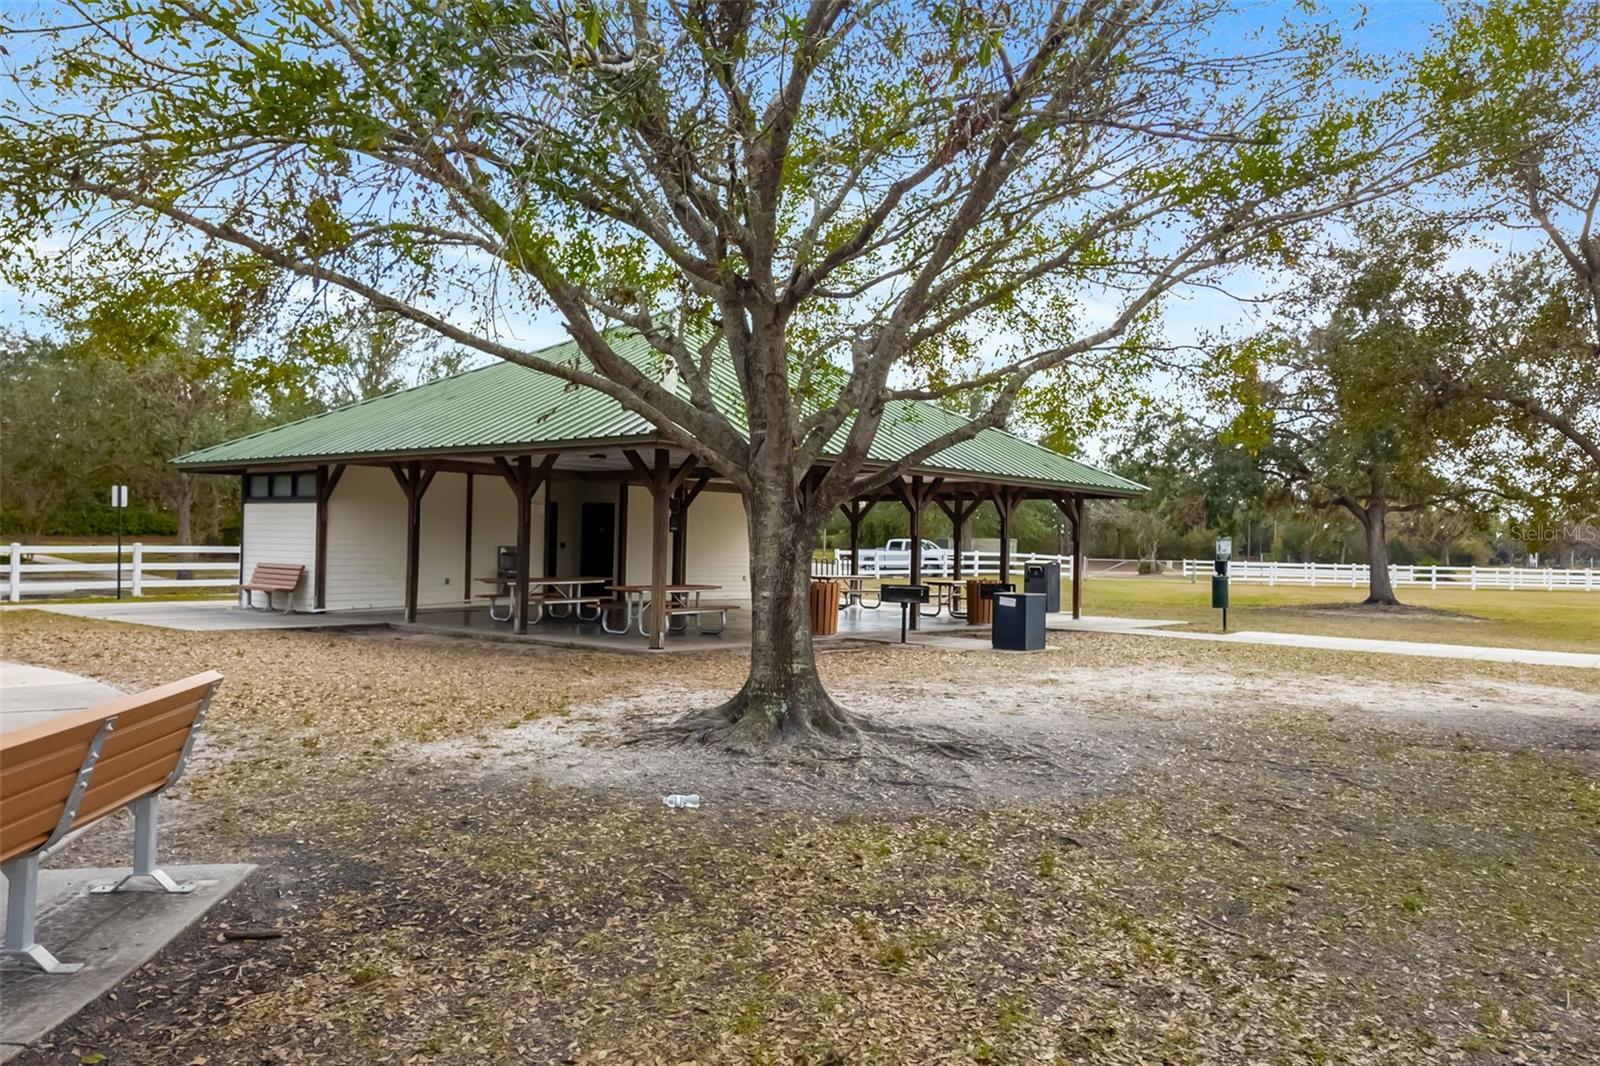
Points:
(466, 548)
(413, 484)
(1077, 557)
(660, 497)
(524, 481)
(913, 500)
(1005, 502)
(1072, 507)
(958, 511)
(522, 488)
(853, 514)
(319, 553)
(327, 481)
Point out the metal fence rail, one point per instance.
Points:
(57, 569)
(1357, 574)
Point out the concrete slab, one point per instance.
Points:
(30, 694)
(1105, 624)
(112, 935)
(1476, 652)
(206, 615)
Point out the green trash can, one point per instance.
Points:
(1219, 591)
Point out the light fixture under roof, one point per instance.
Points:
(597, 455)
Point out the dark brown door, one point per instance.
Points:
(597, 542)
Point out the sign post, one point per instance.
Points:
(1219, 579)
(119, 503)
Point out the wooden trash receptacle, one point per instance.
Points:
(980, 612)
(825, 607)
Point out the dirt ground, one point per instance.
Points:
(1162, 851)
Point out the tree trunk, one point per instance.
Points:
(782, 698)
(1379, 589)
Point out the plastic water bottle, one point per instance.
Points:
(678, 801)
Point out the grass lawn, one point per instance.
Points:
(1556, 621)
(1232, 854)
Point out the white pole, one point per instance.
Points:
(138, 569)
(14, 575)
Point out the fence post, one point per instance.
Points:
(138, 569)
(14, 573)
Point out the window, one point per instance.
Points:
(292, 485)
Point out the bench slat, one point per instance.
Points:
(37, 772)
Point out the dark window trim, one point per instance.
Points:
(294, 480)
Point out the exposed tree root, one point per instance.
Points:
(820, 735)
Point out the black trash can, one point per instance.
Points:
(1018, 621)
(1044, 578)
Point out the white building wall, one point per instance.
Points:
(281, 533)
(367, 540)
(367, 537)
(719, 545)
(719, 551)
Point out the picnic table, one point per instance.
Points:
(564, 592)
(855, 589)
(682, 601)
(946, 596)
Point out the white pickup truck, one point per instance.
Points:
(897, 553)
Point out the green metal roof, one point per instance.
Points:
(507, 406)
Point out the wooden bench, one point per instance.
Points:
(74, 769)
(697, 609)
(270, 578)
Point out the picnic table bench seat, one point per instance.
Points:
(72, 770)
(698, 610)
(270, 578)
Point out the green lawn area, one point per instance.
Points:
(1557, 621)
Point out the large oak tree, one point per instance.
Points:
(847, 203)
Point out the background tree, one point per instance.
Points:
(1346, 414)
(1511, 95)
(811, 210)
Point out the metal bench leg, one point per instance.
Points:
(22, 903)
(145, 835)
(723, 615)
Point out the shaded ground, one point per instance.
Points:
(1197, 853)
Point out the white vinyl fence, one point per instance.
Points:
(1356, 574)
(75, 569)
(876, 562)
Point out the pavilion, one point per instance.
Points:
(501, 469)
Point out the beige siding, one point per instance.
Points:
(367, 536)
(281, 533)
(718, 543)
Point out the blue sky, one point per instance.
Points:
(1389, 27)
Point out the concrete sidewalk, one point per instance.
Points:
(30, 694)
(1474, 652)
(205, 615)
